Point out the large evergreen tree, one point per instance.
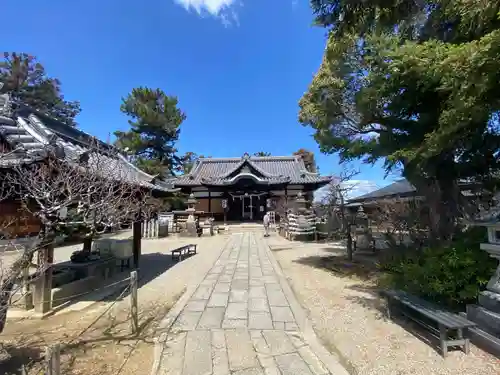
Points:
(26, 80)
(155, 127)
(415, 83)
(309, 159)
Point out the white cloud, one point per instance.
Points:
(223, 9)
(352, 188)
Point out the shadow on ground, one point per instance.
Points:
(151, 266)
(366, 295)
(340, 266)
(14, 357)
(27, 348)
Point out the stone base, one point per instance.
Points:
(487, 320)
(191, 229)
(302, 237)
(481, 338)
(490, 300)
(188, 234)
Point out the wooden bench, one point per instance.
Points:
(447, 322)
(181, 252)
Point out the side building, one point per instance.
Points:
(25, 137)
(249, 186)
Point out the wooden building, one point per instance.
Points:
(25, 137)
(249, 186)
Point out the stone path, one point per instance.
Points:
(239, 321)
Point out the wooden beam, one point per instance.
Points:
(137, 235)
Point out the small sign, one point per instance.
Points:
(261, 208)
(224, 203)
(63, 212)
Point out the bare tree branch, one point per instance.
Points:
(90, 193)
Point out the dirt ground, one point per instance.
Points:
(95, 341)
(98, 340)
(348, 315)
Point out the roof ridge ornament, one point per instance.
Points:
(5, 102)
(246, 156)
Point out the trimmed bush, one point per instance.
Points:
(451, 275)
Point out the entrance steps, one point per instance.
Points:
(244, 227)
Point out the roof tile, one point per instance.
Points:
(31, 132)
(275, 169)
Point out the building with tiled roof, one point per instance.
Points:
(248, 186)
(26, 135)
(401, 189)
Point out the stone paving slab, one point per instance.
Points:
(239, 321)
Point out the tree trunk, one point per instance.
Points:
(4, 302)
(443, 198)
(8, 283)
(349, 246)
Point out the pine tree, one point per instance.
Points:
(155, 127)
(26, 80)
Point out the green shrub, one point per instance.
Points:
(450, 275)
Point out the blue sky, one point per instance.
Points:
(239, 67)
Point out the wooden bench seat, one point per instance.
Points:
(447, 322)
(181, 252)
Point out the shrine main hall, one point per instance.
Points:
(247, 187)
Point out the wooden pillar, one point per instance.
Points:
(286, 203)
(137, 234)
(209, 202)
(225, 196)
(43, 284)
(87, 244)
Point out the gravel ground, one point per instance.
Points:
(347, 315)
(106, 348)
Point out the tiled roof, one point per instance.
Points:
(30, 133)
(398, 188)
(403, 188)
(270, 170)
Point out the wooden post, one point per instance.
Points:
(53, 360)
(137, 235)
(134, 319)
(209, 202)
(43, 284)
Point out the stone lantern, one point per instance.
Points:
(487, 312)
(191, 202)
(300, 204)
(361, 218)
(190, 222)
(363, 234)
